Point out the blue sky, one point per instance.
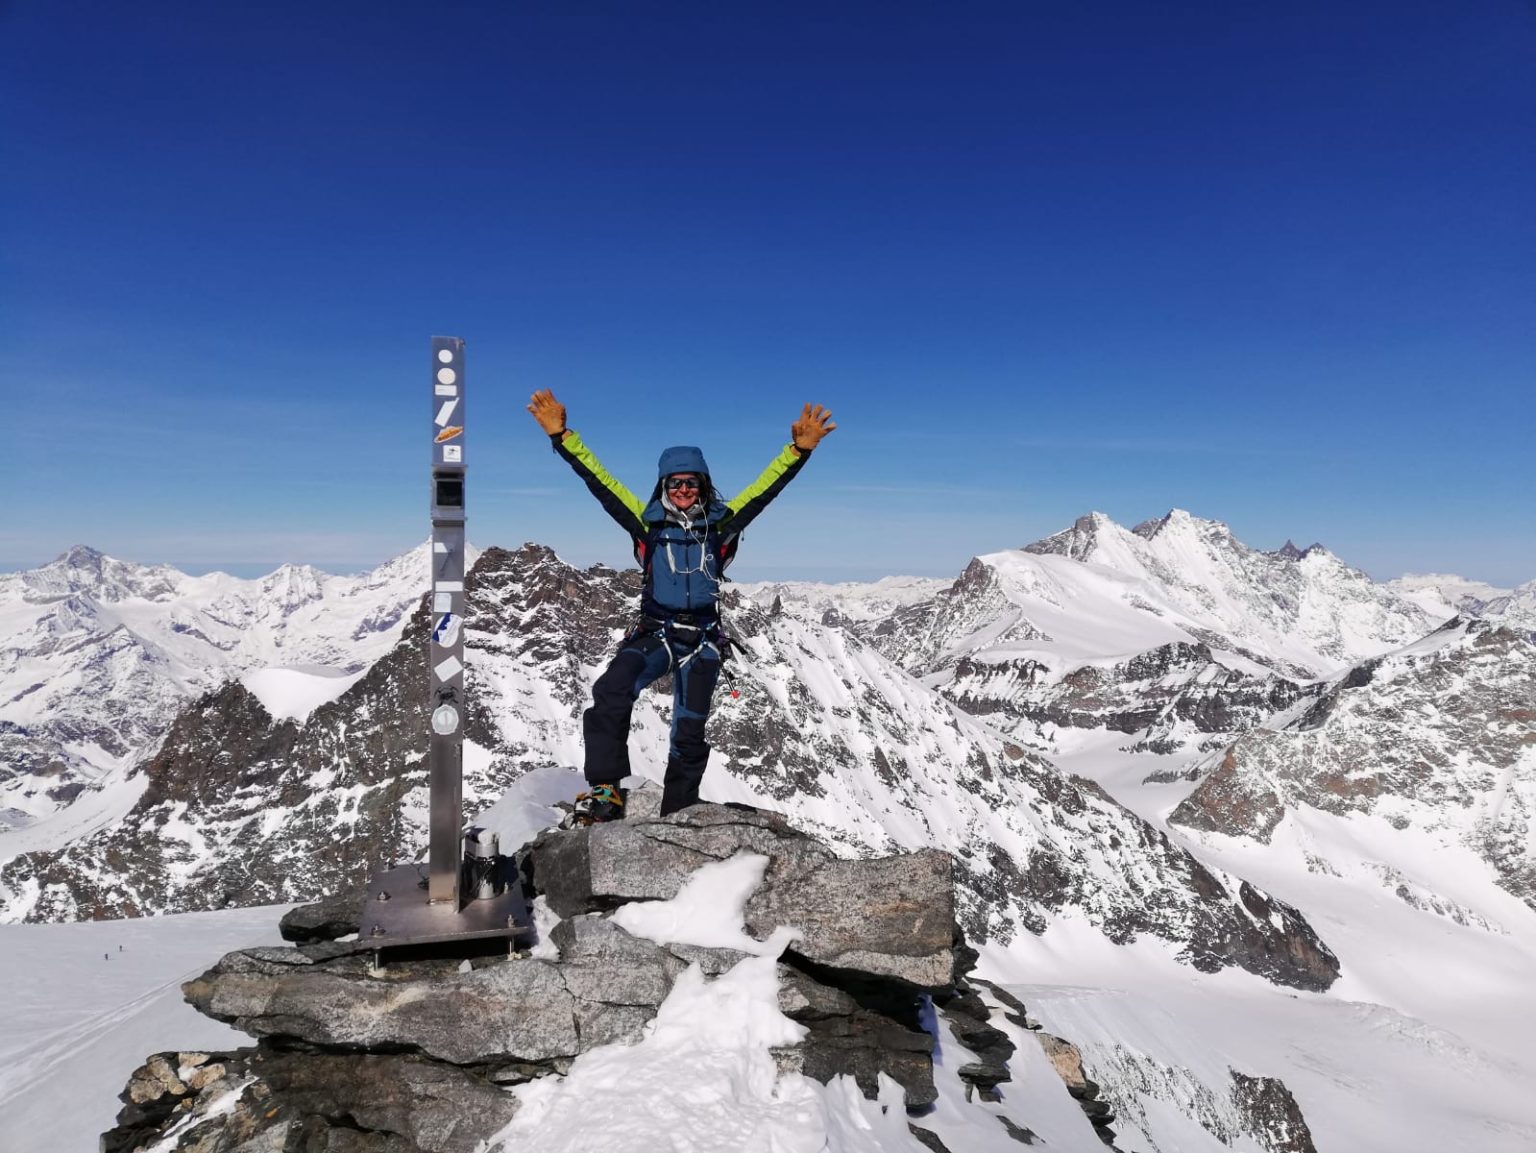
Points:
(1273, 264)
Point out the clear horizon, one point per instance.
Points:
(1272, 266)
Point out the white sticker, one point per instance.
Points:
(449, 669)
(446, 633)
(445, 356)
(453, 454)
(444, 413)
(446, 376)
(439, 546)
(442, 602)
(447, 390)
(449, 586)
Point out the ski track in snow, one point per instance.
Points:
(82, 1015)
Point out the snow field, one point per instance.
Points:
(82, 1014)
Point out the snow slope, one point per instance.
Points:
(86, 1004)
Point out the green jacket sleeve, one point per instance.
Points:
(745, 506)
(621, 504)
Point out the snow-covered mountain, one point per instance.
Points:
(1436, 740)
(1440, 594)
(1174, 633)
(99, 655)
(238, 808)
(1156, 753)
(1304, 606)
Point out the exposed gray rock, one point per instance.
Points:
(927, 1138)
(417, 1054)
(599, 868)
(325, 920)
(603, 963)
(903, 928)
(890, 916)
(267, 1100)
(521, 1010)
(1020, 1134)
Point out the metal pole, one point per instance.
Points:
(446, 648)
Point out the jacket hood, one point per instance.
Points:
(684, 458)
(681, 458)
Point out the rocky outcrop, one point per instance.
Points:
(269, 1100)
(1067, 1060)
(1440, 736)
(1271, 1114)
(903, 927)
(416, 1054)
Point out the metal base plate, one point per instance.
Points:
(396, 912)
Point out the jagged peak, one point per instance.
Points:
(1075, 542)
(1289, 551)
(1177, 518)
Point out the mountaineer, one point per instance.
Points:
(683, 538)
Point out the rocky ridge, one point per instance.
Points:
(419, 1054)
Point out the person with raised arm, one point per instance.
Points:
(683, 538)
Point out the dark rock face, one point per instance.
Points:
(414, 1055)
(1199, 907)
(1271, 1113)
(325, 920)
(871, 1029)
(278, 1100)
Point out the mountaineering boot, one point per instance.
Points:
(604, 803)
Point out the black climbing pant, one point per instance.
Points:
(645, 655)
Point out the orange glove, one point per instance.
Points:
(548, 411)
(814, 423)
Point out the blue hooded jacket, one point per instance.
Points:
(681, 554)
(684, 553)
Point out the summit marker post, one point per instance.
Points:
(468, 890)
(445, 758)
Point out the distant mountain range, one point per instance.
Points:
(1145, 732)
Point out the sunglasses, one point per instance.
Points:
(682, 482)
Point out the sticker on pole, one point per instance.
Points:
(442, 602)
(445, 413)
(453, 454)
(449, 433)
(449, 669)
(446, 633)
